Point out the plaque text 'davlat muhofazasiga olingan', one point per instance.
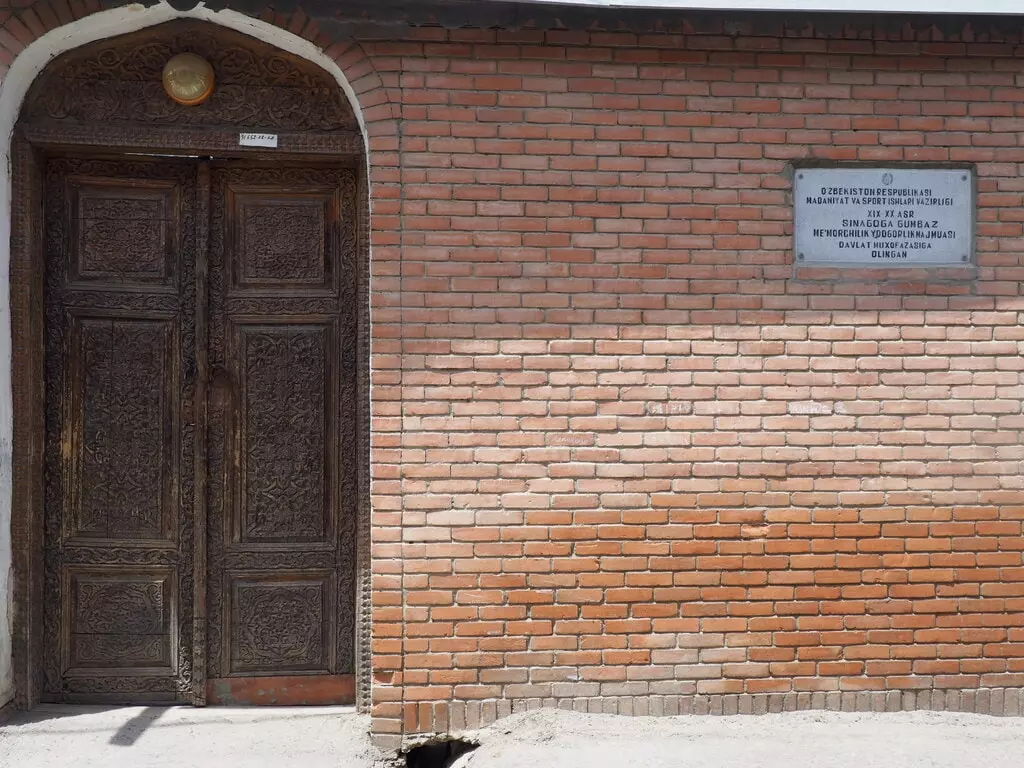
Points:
(883, 216)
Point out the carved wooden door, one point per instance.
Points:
(282, 485)
(120, 434)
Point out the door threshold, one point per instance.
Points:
(281, 690)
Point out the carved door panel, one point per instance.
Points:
(282, 410)
(120, 337)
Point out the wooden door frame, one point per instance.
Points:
(31, 144)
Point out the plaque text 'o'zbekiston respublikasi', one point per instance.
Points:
(883, 216)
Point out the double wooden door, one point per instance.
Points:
(200, 489)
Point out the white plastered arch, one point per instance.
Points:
(15, 85)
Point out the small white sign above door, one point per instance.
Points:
(257, 140)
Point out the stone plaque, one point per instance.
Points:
(883, 216)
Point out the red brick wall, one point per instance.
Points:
(626, 456)
(641, 456)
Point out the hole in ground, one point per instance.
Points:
(438, 754)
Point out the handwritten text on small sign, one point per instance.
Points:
(257, 140)
(883, 216)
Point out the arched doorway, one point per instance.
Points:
(190, 375)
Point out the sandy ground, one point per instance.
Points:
(150, 737)
(155, 737)
(791, 740)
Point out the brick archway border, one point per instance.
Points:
(29, 40)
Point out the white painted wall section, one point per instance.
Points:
(25, 68)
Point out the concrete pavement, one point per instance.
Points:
(335, 737)
(53, 736)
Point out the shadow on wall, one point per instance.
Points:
(6, 615)
(6, 566)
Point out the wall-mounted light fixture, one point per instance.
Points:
(188, 79)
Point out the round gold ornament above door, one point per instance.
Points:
(188, 79)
